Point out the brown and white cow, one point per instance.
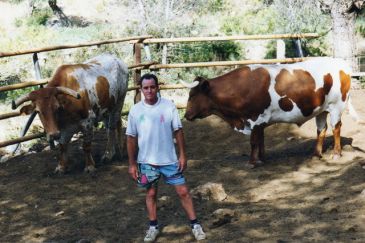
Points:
(75, 99)
(254, 96)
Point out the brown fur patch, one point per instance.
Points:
(299, 87)
(242, 93)
(328, 82)
(74, 109)
(63, 77)
(286, 104)
(102, 91)
(345, 84)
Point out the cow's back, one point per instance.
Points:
(105, 72)
(302, 90)
(101, 81)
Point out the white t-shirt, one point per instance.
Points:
(153, 126)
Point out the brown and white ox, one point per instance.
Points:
(75, 99)
(252, 97)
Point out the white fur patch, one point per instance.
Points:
(318, 68)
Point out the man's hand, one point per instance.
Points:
(131, 148)
(182, 163)
(179, 135)
(133, 172)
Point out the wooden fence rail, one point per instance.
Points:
(226, 38)
(227, 63)
(22, 139)
(54, 48)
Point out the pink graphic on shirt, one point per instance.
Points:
(162, 119)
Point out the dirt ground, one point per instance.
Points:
(294, 197)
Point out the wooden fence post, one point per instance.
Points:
(38, 76)
(280, 49)
(137, 72)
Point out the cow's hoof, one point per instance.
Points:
(89, 169)
(106, 158)
(60, 170)
(335, 156)
(255, 164)
(318, 155)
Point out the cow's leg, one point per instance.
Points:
(336, 125)
(321, 122)
(261, 144)
(120, 139)
(86, 146)
(110, 148)
(337, 140)
(256, 143)
(62, 162)
(113, 132)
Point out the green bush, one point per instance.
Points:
(311, 47)
(7, 96)
(39, 17)
(207, 51)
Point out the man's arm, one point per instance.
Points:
(132, 149)
(179, 136)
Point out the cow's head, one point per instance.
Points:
(199, 102)
(45, 102)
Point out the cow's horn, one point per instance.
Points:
(19, 101)
(189, 85)
(64, 90)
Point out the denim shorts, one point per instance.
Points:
(149, 175)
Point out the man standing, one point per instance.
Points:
(152, 124)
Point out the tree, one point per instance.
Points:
(65, 21)
(166, 18)
(299, 16)
(343, 14)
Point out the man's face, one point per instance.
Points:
(149, 90)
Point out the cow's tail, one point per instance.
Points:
(352, 111)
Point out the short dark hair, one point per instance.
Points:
(148, 76)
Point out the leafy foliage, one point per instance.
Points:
(254, 21)
(360, 23)
(206, 51)
(39, 17)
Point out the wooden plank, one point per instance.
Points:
(162, 87)
(358, 74)
(60, 47)
(228, 63)
(9, 115)
(137, 53)
(22, 139)
(23, 85)
(144, 65)
(226, 38)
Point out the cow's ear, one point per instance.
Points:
(204, 86)
(27, 109)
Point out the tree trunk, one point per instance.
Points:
(168, 10)
(343, 15)
(59, 13)
(343, 31)
(298, 48)
(31, 7)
